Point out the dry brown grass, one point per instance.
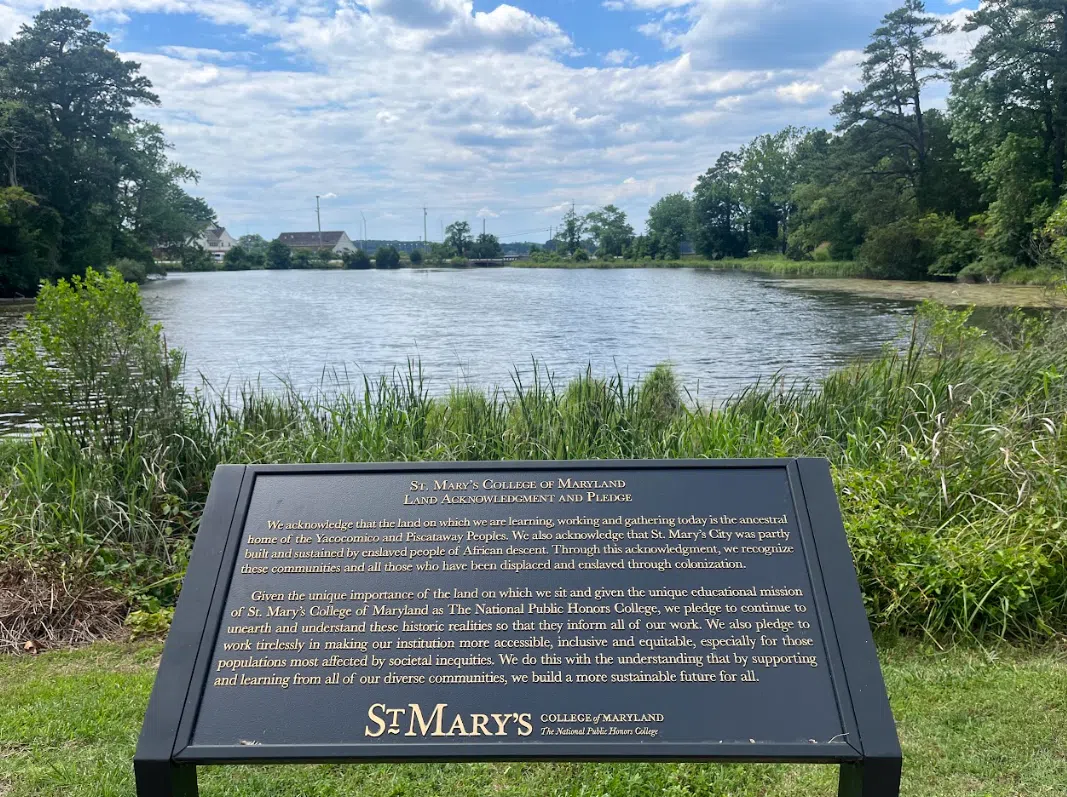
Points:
(40, 612)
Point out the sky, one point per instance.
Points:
(502, 114)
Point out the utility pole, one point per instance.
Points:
(483, 226)
(425, 237)
(318, 217)
(364, 230)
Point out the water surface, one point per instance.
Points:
(720, 330)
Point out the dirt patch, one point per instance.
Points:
(38, 612)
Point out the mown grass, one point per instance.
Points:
(974, 723)
(949, 457)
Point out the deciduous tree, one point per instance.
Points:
(609, 230)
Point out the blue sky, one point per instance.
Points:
(502, 112)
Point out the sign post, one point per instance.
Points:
(602, 611)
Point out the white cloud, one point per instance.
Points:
(204, 53)
(619, 57)
(646, 5)
(388, 105)
(10, 21)
(420, 13)
(800, 91)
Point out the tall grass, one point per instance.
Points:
(950, 459)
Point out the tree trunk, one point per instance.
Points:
(920, 134)
(1059, 121)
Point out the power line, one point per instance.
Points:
(524, 232)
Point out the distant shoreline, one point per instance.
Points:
(832, 276)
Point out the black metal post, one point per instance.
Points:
(875, 777)
(165, 779)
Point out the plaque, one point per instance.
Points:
(640, 610)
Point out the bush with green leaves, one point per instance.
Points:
(387, 257)
(131, 270)
(90, 363)
(895, 251)
(947, 245)
(415, 257)
(439, 253)
(990, 267)
(325, 257)
(279, 256)
(355, 260)
(545, 256)
(195, 258)
(236, 259)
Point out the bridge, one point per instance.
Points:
(503, 260)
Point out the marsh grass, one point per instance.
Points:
(949, 456)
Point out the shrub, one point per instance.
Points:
(988, 268)
(154, 622)
(355, 260)
(194, 258)
(949, 246)
(387, 257)
(544, 256)
(894, 251)
(237, 259)
(90, 363)
(325, 257)
(279, 256)
(1047, 276)
(581, 256)
(821, 253)
(439, 253)
(131, 270)
(415, 257)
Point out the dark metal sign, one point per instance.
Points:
(679, 610)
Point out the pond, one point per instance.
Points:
(720, 331)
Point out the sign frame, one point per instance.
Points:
(870, 757)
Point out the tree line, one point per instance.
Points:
(84, 182)
(910, 190)
(255, 252)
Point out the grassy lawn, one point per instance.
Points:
(971, 723)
